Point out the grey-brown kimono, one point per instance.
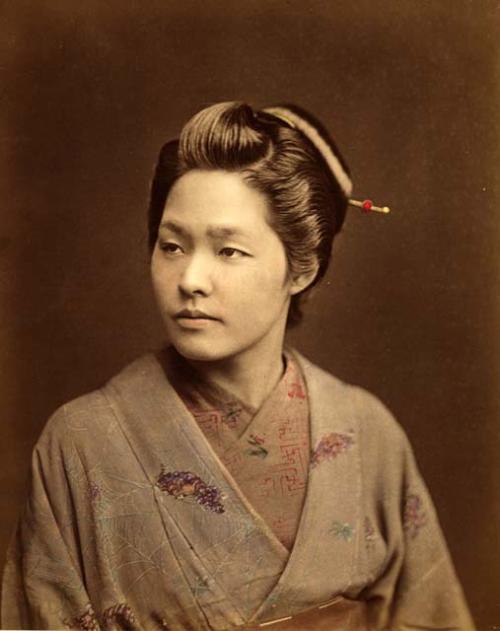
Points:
(133, 522)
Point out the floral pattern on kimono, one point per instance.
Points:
(266, 450)
(98, 532)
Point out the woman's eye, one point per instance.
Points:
(169, 247)
(232, 253)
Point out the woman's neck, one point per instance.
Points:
(250, 376)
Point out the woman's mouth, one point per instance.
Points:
(194, 319)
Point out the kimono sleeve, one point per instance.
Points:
(419, 588)
(43, 585)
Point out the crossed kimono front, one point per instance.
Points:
(139, 519)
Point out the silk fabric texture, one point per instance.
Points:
(265, 450)
(133, 521)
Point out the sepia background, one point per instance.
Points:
(410, 308)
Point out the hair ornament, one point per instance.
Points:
(367, 206)
(313, 135)
(313, 132)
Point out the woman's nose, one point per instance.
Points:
(196, 277)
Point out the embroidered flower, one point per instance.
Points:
(369, 531)
(185, 484)
(296, 391)
(414, 516)
(329, 447)
(87, 621)
(343, 531)
(201, 585)
(231, 413)
(94, 492)
(256, 439)
(273, 599)
(121, 614)
(256, 448)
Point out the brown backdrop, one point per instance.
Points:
(410, 90)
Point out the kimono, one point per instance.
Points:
(135, 521)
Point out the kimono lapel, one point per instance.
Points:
(266, 450)
(230, 558)
(234, 565)
(322, 563)
(271, 457)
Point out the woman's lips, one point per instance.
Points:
(194, 319)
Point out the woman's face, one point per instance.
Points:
(219, 270)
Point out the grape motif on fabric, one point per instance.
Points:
(94, 492)
(329, 447)
(117, 615)
(185, 485)
(414, 516)
(370, 534)
(87, 621)
(120, 615)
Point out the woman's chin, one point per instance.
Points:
(196, 350)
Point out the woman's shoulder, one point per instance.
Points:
(91, 415)
(336, 397)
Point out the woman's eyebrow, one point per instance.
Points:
(174, 227)
(214, 232)
(218, 232)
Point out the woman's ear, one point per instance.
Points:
(302, 281)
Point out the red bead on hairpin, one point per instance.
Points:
(367, 206)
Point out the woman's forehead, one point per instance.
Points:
(219, 202)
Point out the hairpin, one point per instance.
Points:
(313, 132)
(367, 206)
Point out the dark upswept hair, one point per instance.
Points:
(307, 205)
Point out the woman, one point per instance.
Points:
(227, 482)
